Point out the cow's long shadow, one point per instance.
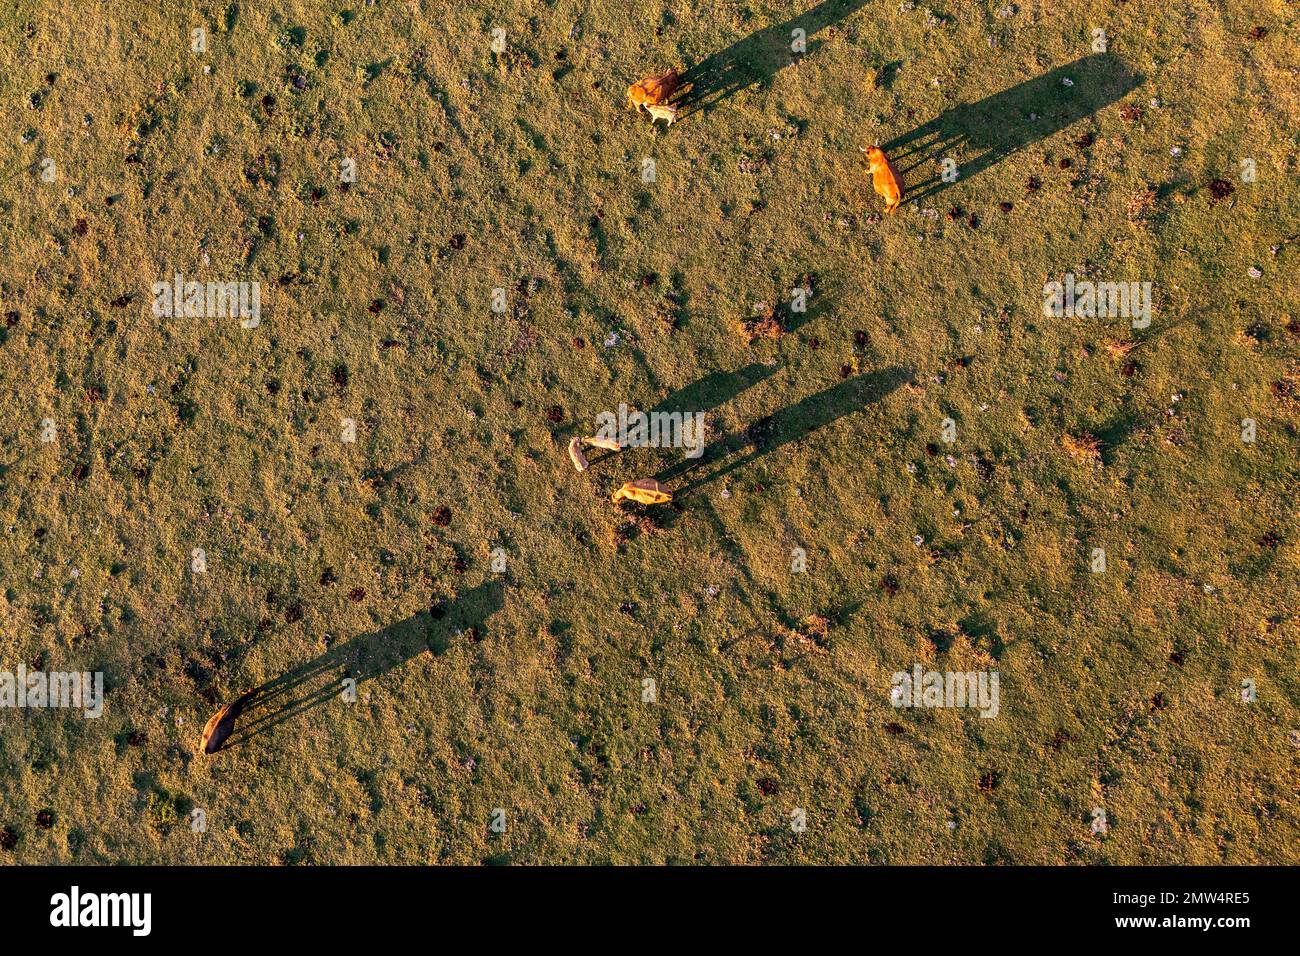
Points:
(717, 388)
(707, 393)
(789, 424)
(997, 126)
(362, 658)
(758, 57)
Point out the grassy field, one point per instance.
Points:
(521, 691)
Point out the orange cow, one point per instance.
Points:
(654, 90)
(883, 178)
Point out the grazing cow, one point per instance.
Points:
(883, 179)
(656, 91)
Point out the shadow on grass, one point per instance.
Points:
(999, 125)
(787, 425)
(361, 659)
(758, 57)
(707, 394)
(715, 389)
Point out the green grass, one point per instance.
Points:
(183, 433)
